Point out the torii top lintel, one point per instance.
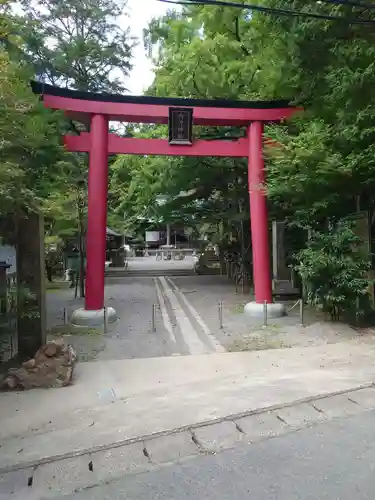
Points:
(146, 109)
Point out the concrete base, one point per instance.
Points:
(255, 310)
(84, 317)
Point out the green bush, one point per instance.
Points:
(333, 270)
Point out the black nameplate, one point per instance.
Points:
(181, 126)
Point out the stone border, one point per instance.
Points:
(167, 432)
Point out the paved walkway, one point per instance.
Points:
(331, 460)
(144, 383)
(115, 401)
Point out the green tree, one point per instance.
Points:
(196, 54)
(323, 168)
(29, 144)
(32, 160)
(81, 45)
(78, 43)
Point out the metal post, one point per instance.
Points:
(357, 311)
(265, 314)
(105, 319)
(65, 316)
(220, 311)
(301, 311)
(153, 318)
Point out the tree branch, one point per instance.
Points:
(237, 34)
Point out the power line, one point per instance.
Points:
(271, 10)
(349, 3)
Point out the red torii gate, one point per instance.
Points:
(96, 110)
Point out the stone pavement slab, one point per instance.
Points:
(301, 415)
(364, 397)
(262, 426)
(216, 437)
(171, 447)
(72, 475)
(337, 406)
(334, 461)
(17, 481)
(163, 394)
(65, 476)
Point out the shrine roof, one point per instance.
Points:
(79, 105)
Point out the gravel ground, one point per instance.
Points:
(130, 337)
(242, 333)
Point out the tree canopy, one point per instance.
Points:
(321, 170)
(79, 44)
(30, 143)
(325, 165)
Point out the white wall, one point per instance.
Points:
(8, 254)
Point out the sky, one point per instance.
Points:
(140, 13)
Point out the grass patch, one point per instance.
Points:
(258, 343)
(59, 331)
(238, 309)
(57, 285)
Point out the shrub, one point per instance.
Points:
(333, 270)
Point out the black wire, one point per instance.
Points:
(268, 10)
(349, 3)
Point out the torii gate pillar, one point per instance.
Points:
(94, 313)
(259, 229)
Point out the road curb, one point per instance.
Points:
(176, 430)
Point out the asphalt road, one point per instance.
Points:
(332, 461)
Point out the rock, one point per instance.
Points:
(52, 366)
(50, 350)
(11, 382)
(29, 364)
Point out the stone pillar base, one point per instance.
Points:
(88, 318)
(255, 310)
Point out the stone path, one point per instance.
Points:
(71, 475)
(117, 401)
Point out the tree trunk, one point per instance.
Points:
(49, 272)
(31, 295)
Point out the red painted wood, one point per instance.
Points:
(147, 113)
(259, 216)
(97, 213)
(160, 147)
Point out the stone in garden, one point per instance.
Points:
(52, 366)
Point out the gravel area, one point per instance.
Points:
(243, 333)
(133, 336)
(130, 337)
